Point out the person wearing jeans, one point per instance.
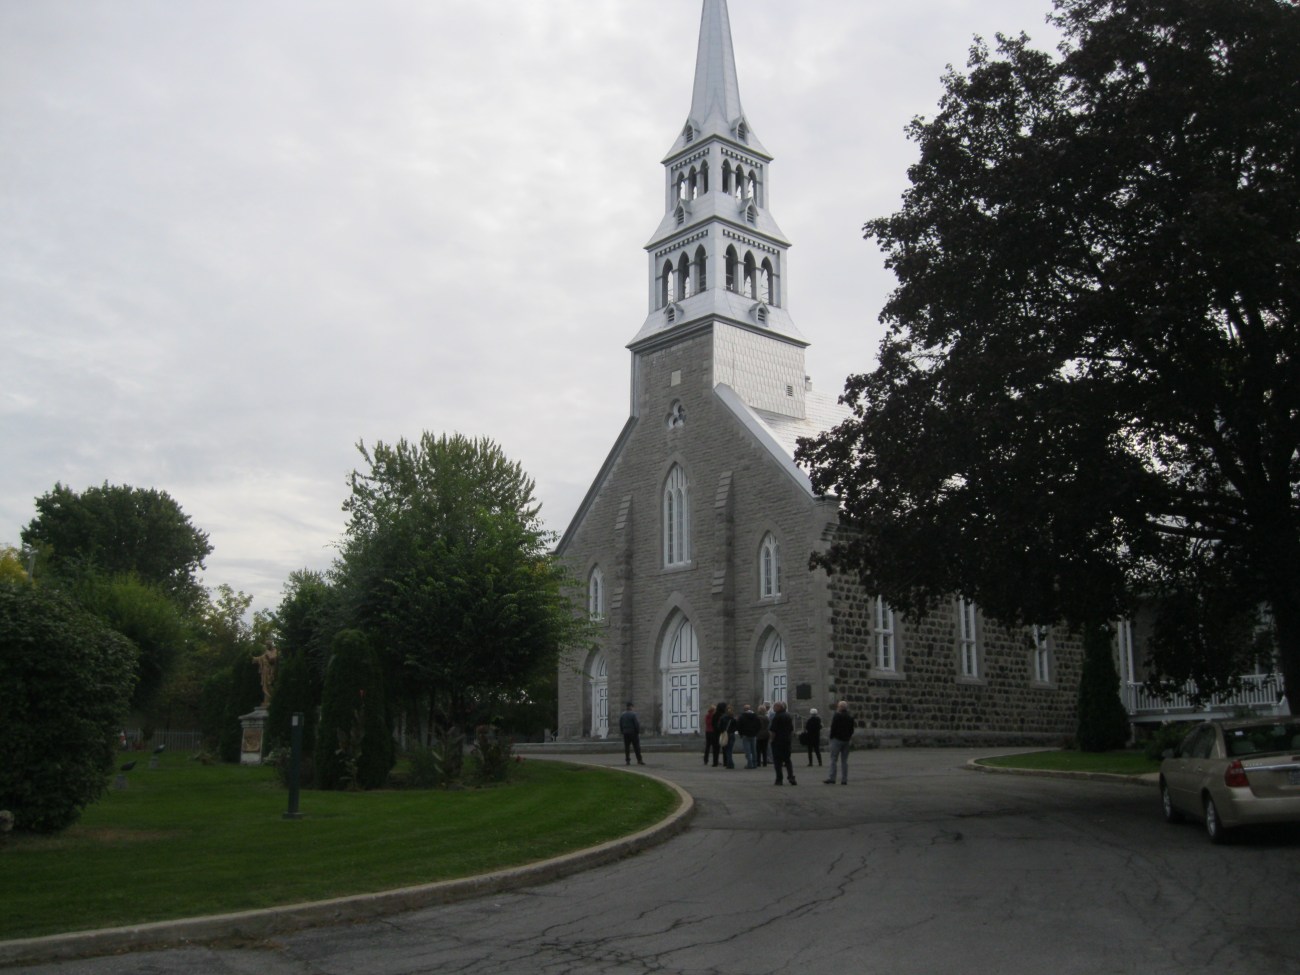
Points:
(841, 734)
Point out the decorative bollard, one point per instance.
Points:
(295, 765)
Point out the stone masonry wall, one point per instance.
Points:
(925, 700)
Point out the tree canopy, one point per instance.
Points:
(1088, 392)
(445, 566)
(121, 530)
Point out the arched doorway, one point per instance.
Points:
(680, 663)
(773, 665)
(598, 681)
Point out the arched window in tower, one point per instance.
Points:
(704, 177)
(751, 187)
(769, 568)
(701, 277)
(694, 183)
(726, 177)
(667, 289)
(689, 133)
(742, 132)
(684, 282)
(681, 186)
(732, 261)
(750, 275)
(739, 189)
(766, 280)
(596, 594)
(677, 518)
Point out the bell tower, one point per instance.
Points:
(718, 259)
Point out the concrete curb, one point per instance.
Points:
(1146, 778)
(261, 924)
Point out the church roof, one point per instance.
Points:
(715, 100)
(779, 434)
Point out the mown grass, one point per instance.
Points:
(1116, 763)
(186, 839)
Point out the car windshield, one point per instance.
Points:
(1263, 738)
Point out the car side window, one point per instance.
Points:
(1202, 743)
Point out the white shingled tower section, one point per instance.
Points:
(717, 260)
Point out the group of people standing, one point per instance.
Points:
(767, 736)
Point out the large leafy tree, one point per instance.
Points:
(1089, 388)
(446, 568)
(120, 530)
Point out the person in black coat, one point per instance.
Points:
(781, 727)
(813, 733)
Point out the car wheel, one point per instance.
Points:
(1172, 815)
(1214, 827)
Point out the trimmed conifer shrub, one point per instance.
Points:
(1103, 722)
(354, 744)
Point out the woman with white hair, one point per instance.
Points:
(812, 736)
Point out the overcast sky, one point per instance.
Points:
(238, 236)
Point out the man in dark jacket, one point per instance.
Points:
(630, 725)
(841, 734)
(747, 727)
(782, 731)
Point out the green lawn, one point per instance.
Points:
(187, 839)
(1118, 763)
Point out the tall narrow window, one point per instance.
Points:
(767, 282)
(886, 659)
(749, 276)
(769, 568)
(967, 648)
(726, 177)
(704, 177)
(738, 190)
(681, 186)
(596, 594)
(1042, 655)
(676, 519)
(732, 268)
(701, 278)
(667, 293)
(684, 282)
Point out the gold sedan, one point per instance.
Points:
(1234, 773)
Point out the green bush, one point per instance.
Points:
(1103, 722)
(492, 756)
(1168, 735)
(65, 685)
(292, 692)
(424, 768)
(244, 694)
(354, 744)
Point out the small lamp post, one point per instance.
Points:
(295, 765)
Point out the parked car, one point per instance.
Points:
(1234, 773)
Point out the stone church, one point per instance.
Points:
(693, 540)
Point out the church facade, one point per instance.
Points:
(692, 543)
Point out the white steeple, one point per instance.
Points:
(717, 259)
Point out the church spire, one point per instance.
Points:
(717, 259)
(715, 100)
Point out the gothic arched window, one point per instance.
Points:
(704, 177)
(677, 518)
(667, 291)
(765, 282)
(769, 568)
(596, 594)
(732, 261)
(726, 177)
(749, 288)
(701, 278)
(684, 276)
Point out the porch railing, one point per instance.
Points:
(1260, 692)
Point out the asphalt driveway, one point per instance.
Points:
(918, 865)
